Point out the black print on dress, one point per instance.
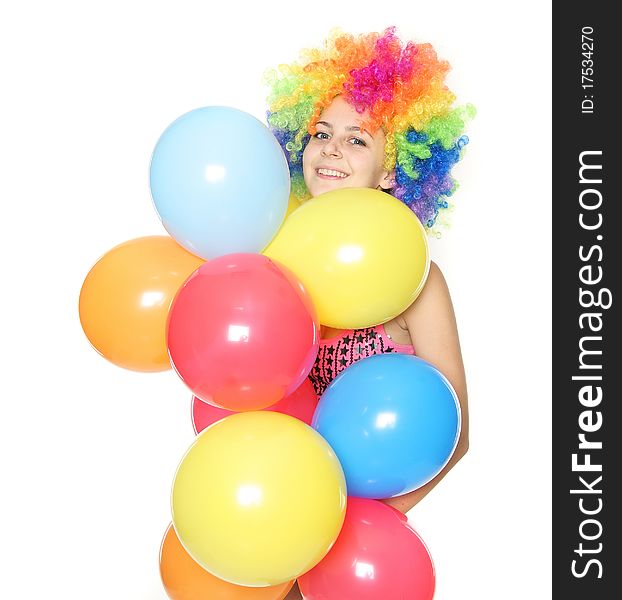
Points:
(338, 354)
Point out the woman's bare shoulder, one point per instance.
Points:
(434, 292)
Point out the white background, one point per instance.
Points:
(88, 449)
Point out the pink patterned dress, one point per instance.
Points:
(338, 353)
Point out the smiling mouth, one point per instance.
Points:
(330, 174)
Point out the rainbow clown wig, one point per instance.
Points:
(400, 87)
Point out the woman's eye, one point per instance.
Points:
(357, 142)
(321, 135)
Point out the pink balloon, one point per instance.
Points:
(377, 556)
(300, 403)
(242, 332)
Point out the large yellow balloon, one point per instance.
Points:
(126, 296)
(362, 254)
(259, 498)
(292, 205)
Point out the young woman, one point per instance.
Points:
(373, 111)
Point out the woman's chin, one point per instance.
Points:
(321, 187)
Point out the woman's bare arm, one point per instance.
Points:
(431, 324)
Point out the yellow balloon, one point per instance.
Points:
(126, 296)
(259, 498)
(292, 205)
(362, 254)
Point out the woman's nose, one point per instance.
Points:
(331, 148)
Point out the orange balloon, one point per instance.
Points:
(184, 579)
(125, 300)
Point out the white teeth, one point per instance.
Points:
(331, 173)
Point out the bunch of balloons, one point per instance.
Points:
(278, 485)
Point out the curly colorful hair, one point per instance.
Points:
(400, 86)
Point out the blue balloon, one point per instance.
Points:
(393, 420)
(219, 182)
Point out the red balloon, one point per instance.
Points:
(300, 404)
(377, 555)
(242, 332)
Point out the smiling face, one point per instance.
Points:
(341, 155)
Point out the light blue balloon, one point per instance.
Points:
(219, 182)
(393, 420)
